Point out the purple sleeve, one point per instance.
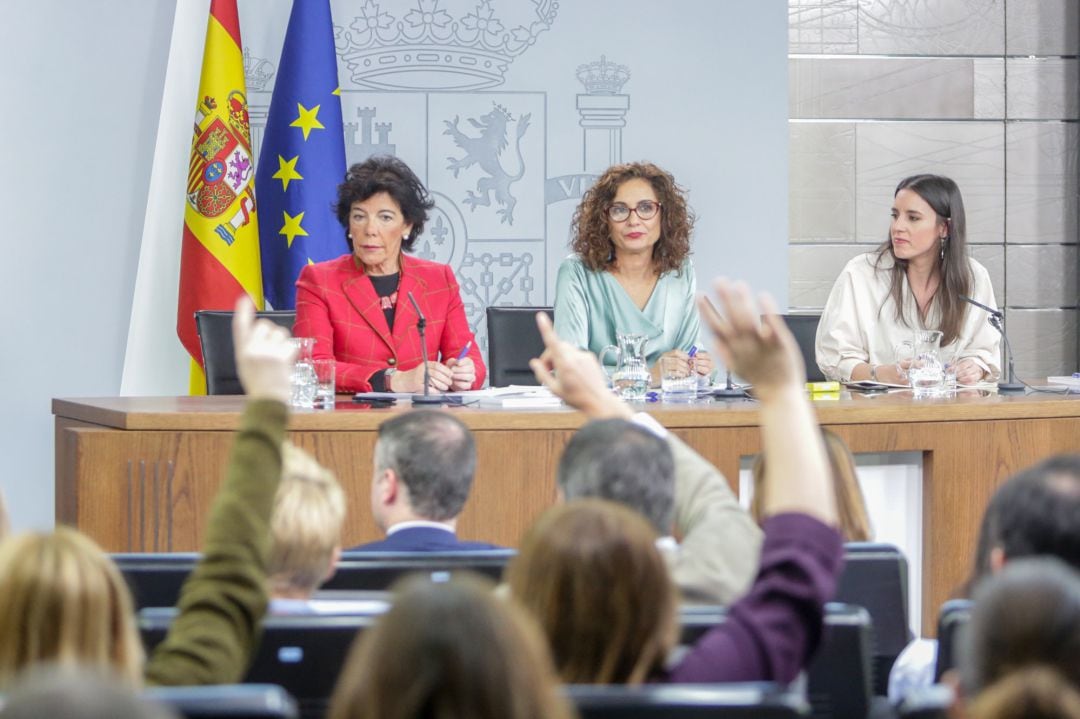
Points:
(771, 632)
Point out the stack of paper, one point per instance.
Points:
(514, 396)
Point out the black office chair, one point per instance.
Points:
(804, 327)
(155, 579)
(227, 701)
(513, 340)
(219, 357)
(952, 623)
(839, 679)
(658, 701)
(876, 577)
(303, 654)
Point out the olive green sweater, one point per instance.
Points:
(223, 601)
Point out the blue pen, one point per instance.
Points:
(693, 351)
(464, 351)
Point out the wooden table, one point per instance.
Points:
(139, 473)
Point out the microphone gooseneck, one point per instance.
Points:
(996, 320)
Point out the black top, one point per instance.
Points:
(386, 288)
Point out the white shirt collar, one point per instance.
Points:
(419, 523)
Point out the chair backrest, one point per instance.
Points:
(876, 577)
(303, 654)
(952, 623)
(155, 579)
(804, 327)
(513, 340)
(219, 359)
(658, 701)
(227, 701)
(839, 678)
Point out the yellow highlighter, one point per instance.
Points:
(820, 387)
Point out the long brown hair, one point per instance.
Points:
(449, 650)
(850, 503)
(944, 198)
(65, 602)
(590, 572)
(592, 234)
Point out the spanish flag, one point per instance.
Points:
(219, 258)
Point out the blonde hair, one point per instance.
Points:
(305, 529)
(591, 574)
(449, 651)
(65, 602)
(850, 504)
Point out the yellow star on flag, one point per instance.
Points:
(307, 120)
(292, 229)
(287, 171)
(337, 92)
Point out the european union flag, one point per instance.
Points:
(303, 156)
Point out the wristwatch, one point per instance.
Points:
(387, 374)
(873, 372)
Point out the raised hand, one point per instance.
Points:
(264, 355)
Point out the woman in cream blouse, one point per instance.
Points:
(913, 281)
(631, 271)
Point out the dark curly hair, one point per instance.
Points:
(592, 237)
(385, 173)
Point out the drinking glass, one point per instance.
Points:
(678, 381)
(325, 370)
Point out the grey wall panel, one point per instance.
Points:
(885, 88)
(1042, 275)
(969, 152)
(1044, 342)
(992, 257)
(1042, 27)
(814, 269)
(989, 88)
(822, 181)
(1043, 88)
(932, 27)
(1042, 182)
(823, 26)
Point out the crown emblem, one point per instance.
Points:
(603, 77)
(257, 71)
(440, 44)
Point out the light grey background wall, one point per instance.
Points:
(985, 91)
(81, 89)
(707, 99)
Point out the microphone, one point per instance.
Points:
(996, 320)
(421, 323)
(729, 390)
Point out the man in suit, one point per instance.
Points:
(424, 466)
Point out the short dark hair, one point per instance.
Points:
(617, 460)
(434, 454)
(1037, 512)
(385, 173)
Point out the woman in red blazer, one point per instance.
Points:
(357, 308)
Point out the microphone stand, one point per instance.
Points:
(996, 320)
(729, 391)
(426, 398)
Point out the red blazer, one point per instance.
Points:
(337, 305)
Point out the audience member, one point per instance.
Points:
(453, 651)
(305, 530)
(1036, 513)
(639, 464)
(850, 503)
(771, 632)
(64, 601)
(1021, 654)
(76, 693)
(424, 466)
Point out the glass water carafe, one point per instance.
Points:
(631, 376)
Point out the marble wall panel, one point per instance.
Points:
(992, 257)
(989, 88)
(969, 152)
(881, 88)
(1042, 88)
(823, 26)
(1041, 275)
(1042, 182)
(1043, 342)
(821, 173)
(1042, 27)
(813, 270)
(932, 27)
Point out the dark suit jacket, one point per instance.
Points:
(337, 305)
(422, 539)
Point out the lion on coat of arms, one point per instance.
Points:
(486, 151)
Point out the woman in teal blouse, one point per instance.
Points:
(631, 270)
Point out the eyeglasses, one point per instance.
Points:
(645, 210)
